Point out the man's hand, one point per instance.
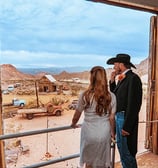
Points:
(113, 75)
(125, 133)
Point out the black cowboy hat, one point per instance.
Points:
(122, 58)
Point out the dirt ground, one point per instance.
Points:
(145, 160)
(58, 144)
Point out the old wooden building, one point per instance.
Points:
(47, 84)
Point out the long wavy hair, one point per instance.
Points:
(98, 91)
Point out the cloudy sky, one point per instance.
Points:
(46, 33)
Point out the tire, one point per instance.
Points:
(29, 116)
(58, 113)
(22, 105)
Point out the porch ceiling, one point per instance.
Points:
(143, 5)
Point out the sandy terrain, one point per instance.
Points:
(58, 144)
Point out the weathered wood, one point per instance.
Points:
(2, 154)
(151, 87)
(33, 110)
(46, 85)
(152, 101)
(143, 5)
(37, 98)
(155, 112)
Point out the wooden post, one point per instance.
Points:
(152, 101)
(151, 87)
(2, 159)
(37, 99)
(155, 112)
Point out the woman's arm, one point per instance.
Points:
(75, 118)
(112, 123)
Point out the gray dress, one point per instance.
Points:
(95, 142)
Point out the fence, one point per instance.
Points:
(28, 133)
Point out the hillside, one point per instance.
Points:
(142, 68)
(9, 72)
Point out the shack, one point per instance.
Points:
(47, 83)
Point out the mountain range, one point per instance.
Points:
(10, 72)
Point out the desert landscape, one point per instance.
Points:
(58, 144)
(24, 151)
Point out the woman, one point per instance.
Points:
(99, 106)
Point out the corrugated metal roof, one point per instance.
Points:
(50, 78)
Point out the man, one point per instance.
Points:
(128, 93)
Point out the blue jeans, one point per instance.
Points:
(127, 160)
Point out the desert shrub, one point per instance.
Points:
(33, 104)
(74, 92)
(57, 101)
(76, 89)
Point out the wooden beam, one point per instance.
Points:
(142, 5)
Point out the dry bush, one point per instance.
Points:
(33, 104)
(76, 89)
(57, 101)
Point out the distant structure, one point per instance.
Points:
(48, 83)
(76, 80)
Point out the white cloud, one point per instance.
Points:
(42, 60)
(77, 28)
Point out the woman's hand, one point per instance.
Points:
(75, 126)
(113, 135)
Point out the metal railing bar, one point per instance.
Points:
(153, 121)
(42, 164)
(53, 161)
(28, 133)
